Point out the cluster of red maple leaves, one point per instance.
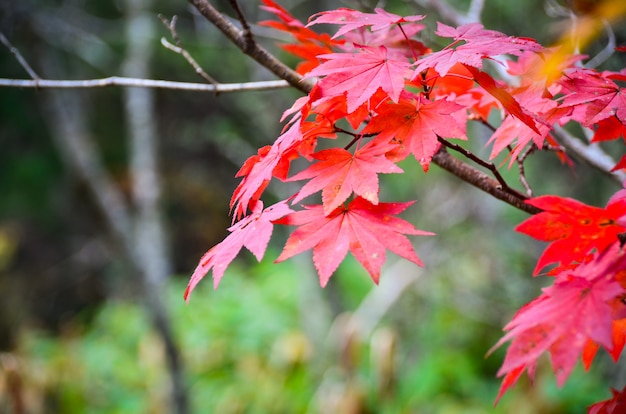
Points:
(392, 97)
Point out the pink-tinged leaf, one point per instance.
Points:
(619, 340)
(252, 232)
(596, 96)
(362, 228)
(574, 229)
(259, 169)
(360, 75)
(576, 309)
(339, 173)
(352, 19)
(415, 124)
(473, 44)
(515, 133)
(505, 98)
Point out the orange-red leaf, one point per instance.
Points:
(574, 228)
(339, 173)
(415, 125)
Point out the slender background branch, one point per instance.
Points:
(143, 83)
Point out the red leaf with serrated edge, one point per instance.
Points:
(473, 44)
(596, 96)
(614, 405)
(259, 169)
(252, 232)
(339, 173)
(290, 24)
(619, 340)
(505, 98)
(310, 44)
(621, 164)
(574, 228)
(415, 124)
(515, 133)
(352, 19)
(566, 315)
(609, 129)
(360, 75)
(361, 227)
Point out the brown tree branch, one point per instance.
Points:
(485, 164)
(255, 51)
(480, 180)
(247, 31)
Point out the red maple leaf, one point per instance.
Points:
(517, 133)
(609, 129)
(339, 173)
(361, 227)
(353, 19)
(595, 95)
(562, 320)
(252, 232)
(619, 340)
(310, 44)
(472, 43)
(509, 103)
(415, 125)
(259, 169)
(574, 228)
(614, 405)
(360, 75)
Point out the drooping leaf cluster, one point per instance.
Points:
(383, 95)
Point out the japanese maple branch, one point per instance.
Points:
(442, 158)
(251, 48)
(480, 180)
(522, 169)
(488, 165)
(247, 31)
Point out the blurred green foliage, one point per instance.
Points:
(246, 352)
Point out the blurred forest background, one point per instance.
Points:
(109, 197)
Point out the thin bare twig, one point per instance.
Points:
(247, 31)
(171, 26)
(480, 180)
(255, 51)
(488, 165)
(144, 83)
(19, 57)
(179, 49)
(522, 171)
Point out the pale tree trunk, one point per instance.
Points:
(151, 253)
(138, 231)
